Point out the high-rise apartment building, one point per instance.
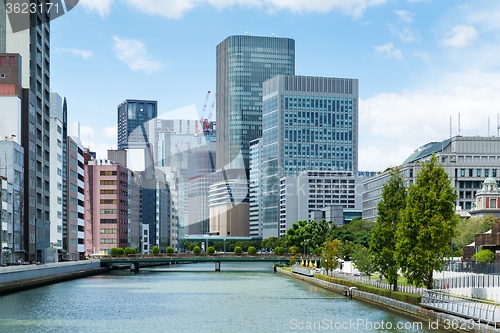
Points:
(243, 64)
(256, 172)
(34, 47)
(309, 123)
(56, 171)
(74, 229)
(133, 122)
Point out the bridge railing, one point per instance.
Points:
(285, 257)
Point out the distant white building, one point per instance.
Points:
(487, 200)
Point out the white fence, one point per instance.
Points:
(376, 283)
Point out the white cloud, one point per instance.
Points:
(460, 36)
(111, 132)
(405, 34)
(405, 15)
(393, 125)
(85, 54)
(135, 55)
(175, 9)
(388, 51)
(98, 140)
(102, 7)
(422, 55)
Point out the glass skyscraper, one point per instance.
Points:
(133, 114)
(309, 123)
(243, 64)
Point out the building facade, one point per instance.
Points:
(107, 207)
(255, 198)
(56, 172)
(311, 191)
(467, 160)
(229, 208)
(243, 64)
(487, 200)
(12, 181)
(309, 123)
(133, 120)
(74, 229)
(33, 45)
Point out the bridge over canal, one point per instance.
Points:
(135, 261)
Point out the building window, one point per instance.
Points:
(108, 241)
(494, 172)
(479, 172)
(108, 211)
(108, 173)
(462, 172)
(108, 182)
(471, 172)
(109, 191)
(486, 173)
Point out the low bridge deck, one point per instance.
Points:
(135, 260)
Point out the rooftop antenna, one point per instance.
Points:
(246, 32)
(498, 125)
(273, 34)
(450, 128)
(488, 126)
(459, 123)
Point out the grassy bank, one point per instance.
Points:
(399, 296)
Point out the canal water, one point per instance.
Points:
(243, 297)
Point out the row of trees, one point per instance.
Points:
(414, 225)
(413, 231)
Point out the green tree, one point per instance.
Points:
(346, 249)
(427, 225)
(383, 241)
(318, 251)
(252, 250)
(330, 257)
(196, 250)
(363, 259)
(155, 250)
(238, 250)
(170, 250)
(310, 235)
(113, 251)
(467, 229)
(484, 256)
(120, 251)
(211, 250)
(279, 250)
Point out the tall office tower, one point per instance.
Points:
(243, 64)
(309, 123)
(56, 172)
(34, 47)
(133, 121)
(75, 225)
(255, 190)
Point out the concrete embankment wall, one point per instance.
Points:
(415, 311)
(18, 278)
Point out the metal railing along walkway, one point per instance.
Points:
(475, 309)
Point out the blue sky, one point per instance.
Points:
(418, 62)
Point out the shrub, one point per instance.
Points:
(252, 250)
(484, 256)
(120, 251)
(279, 250)
(129, 250)
(155, 250)
(293, 260)
(114, 251)
(293, 249)
(211, 250)
(170, 250)
(196, 250)
(318, 251)
(238, 250)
